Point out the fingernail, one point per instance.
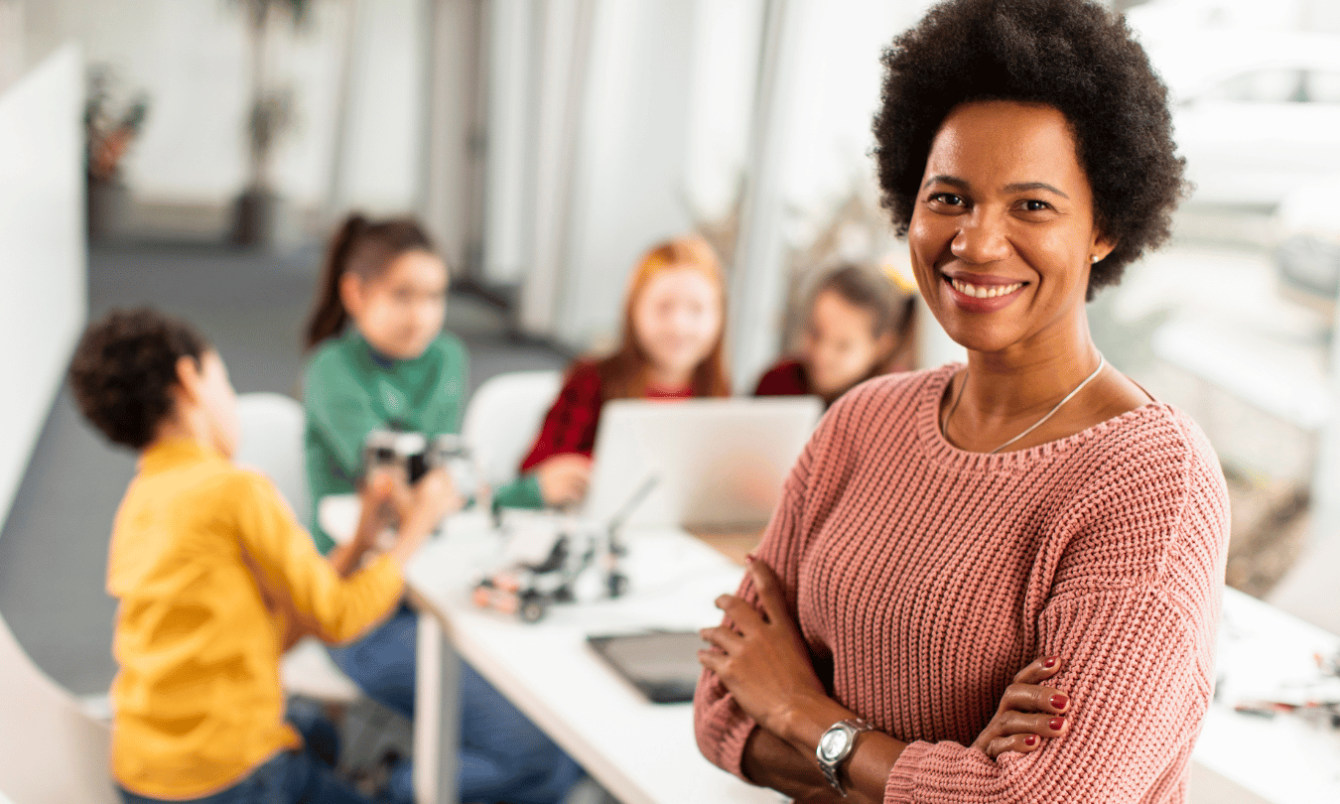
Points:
(1056, 723)
(1050, 662)
(1059, 701)
(1031, 739)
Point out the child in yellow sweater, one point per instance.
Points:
(215, 578)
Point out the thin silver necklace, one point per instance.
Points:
(944, 428)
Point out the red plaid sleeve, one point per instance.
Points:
(570, 425)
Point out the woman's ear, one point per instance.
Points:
(351, 294)
(1102, 246)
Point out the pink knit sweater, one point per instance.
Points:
(924, 577)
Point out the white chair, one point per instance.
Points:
(271, 441)
(51, 751)
(503, 417)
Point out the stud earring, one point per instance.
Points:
(1093, 258)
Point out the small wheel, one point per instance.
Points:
(618, 584)
(532, 608)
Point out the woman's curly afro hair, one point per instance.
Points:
(123, 371)
(1072, 55)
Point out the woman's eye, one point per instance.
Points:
(949, 199)
(1034, 205)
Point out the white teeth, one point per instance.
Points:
(984, 291)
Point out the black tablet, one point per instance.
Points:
(663, 665)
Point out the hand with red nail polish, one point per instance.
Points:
(1027, 713)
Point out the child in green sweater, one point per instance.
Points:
(381, 360)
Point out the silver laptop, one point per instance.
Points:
(717, 463)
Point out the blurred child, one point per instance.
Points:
(673, 325)
(857, 325)
(381, 360)
(215, 578)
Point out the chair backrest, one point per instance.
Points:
(503, 418)
(271, 441)
(51, 751)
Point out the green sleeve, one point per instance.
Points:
(463, 377)
(447, 406)
(339, 410)
(524, 492)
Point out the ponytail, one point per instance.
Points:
(365, 248)
(329, 316)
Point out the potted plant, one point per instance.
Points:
(110, 128)
(257, 211)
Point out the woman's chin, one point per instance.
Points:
(980, 335)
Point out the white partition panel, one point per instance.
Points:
(43, 290)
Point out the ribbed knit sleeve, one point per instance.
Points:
(1139, 692)
(722, 729)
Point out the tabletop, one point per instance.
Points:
(643, 753)
(1266, 654)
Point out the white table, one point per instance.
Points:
(1265, 653)
(642, 753)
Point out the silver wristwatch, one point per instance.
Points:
(835, 746)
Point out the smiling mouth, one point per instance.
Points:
(984, 291)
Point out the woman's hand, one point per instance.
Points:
(563, 479)
(760, 656)
(1028, 714)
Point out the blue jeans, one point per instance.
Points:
(503, 756)
(291, 777)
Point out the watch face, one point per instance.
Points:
(833, 743)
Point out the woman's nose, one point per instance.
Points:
(981, 238)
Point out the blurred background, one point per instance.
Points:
(546, 143)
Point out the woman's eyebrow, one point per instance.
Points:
(953, 181)
(1033, 185)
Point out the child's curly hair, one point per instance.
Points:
(1072, 55)
(124, 368)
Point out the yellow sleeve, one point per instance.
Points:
(336, 609)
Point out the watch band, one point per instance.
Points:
(831, 761)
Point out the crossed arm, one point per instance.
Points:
(759, 655)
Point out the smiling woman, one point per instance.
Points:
(944, 527)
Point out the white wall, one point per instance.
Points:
(11, 42)
(42, 270)
(513, 28)
(191, 56)
(631, 159)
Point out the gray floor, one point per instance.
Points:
(53, 549)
